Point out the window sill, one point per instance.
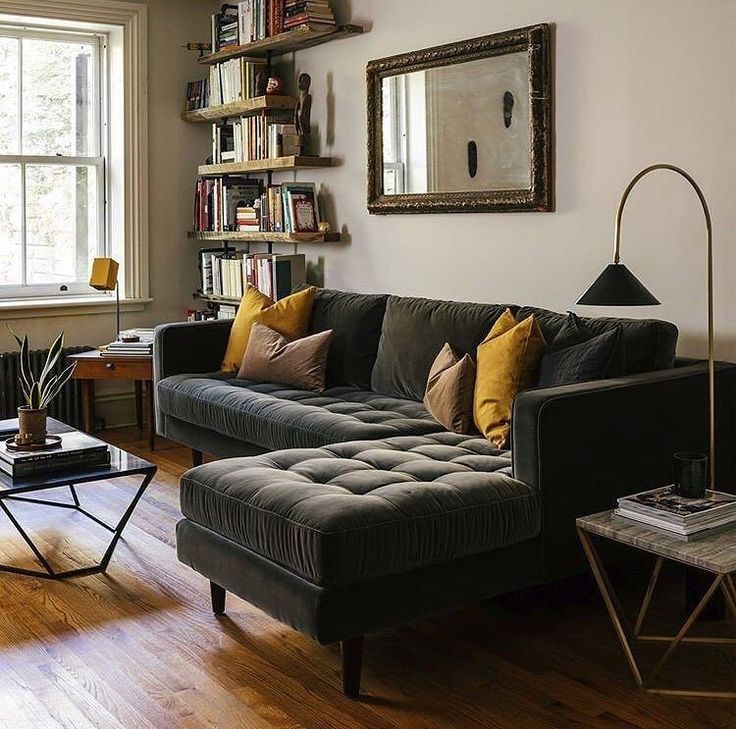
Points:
(66, 306)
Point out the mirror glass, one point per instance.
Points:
(459, 127)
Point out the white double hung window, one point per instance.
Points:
(53, 148)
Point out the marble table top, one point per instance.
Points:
(715, 552)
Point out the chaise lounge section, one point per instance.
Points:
(351, 511)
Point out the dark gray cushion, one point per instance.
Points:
(649, 344)
(415, 330)
(274, 416)
(355, 511)
(355, 320)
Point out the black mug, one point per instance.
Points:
(691, 475)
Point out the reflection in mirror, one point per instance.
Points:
(459, 127)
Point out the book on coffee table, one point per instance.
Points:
(684, 518)
(78, 451)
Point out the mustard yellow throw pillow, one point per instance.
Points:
(288, 316)
(508, 362)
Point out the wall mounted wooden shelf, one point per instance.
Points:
(296, 39)
(277, 164)
(263, 237)
(240, 108)
(216, 299)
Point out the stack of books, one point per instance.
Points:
(299, 12)
(143, 347)
(78, 451)
(226, 28)
(682, 518)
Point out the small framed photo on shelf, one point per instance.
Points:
(301, 209)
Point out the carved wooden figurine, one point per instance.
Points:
(303, 110)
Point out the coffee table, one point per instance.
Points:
(714, 553)
(121, 464)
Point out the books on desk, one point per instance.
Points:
(682, 518)
(78, 451)
(141, 348)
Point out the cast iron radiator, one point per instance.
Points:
(67, 407)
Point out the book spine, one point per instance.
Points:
(29, 470)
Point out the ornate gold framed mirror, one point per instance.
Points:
(463, 127)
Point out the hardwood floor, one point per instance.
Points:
(139, 647)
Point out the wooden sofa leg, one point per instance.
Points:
(196, 457)
(218, 598)
(352, 662)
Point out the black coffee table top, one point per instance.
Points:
(121, 463)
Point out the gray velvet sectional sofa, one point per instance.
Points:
(352, 510)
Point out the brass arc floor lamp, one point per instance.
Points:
(617, 286)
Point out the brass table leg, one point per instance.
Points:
(612, 604)
(626, 637)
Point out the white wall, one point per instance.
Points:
(175, 149)
(637, 82)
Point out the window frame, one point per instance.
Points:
(126, 24)
(97, 160)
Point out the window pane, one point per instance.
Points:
(11, 251)
(58, 98)
(61, 222)
(9, 96)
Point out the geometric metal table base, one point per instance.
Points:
(48, 572)
(628, 636)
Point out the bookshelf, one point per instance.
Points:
(238, 236)
(297, 39)
(247, 107)
(236, 245)
(277, 164)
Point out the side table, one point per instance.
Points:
(93, 366)
(715, 554)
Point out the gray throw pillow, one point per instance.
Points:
(578, 355)
(270, 357)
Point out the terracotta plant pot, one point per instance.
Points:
(31, 426)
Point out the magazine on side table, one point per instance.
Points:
(680, 517)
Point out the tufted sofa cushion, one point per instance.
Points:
(350, 512)
(275, 416)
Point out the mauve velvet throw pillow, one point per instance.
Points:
(578, 355)
(270, 357)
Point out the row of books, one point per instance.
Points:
(252, 20)
(682, 518)
(78, 451)
(228, 274)
(236, 80)
(230, 81)
(257, 138)
(253, 138)
(237, 204)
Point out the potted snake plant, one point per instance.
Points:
(39, 391)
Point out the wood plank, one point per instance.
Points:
(276, 164)
(140, 647)
(260, 236)
(296, 39)
(246, 107)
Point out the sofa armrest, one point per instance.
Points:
(195, 347)
(585, 445)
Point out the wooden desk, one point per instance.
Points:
(92, 366)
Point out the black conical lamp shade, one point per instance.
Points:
(617, 286)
